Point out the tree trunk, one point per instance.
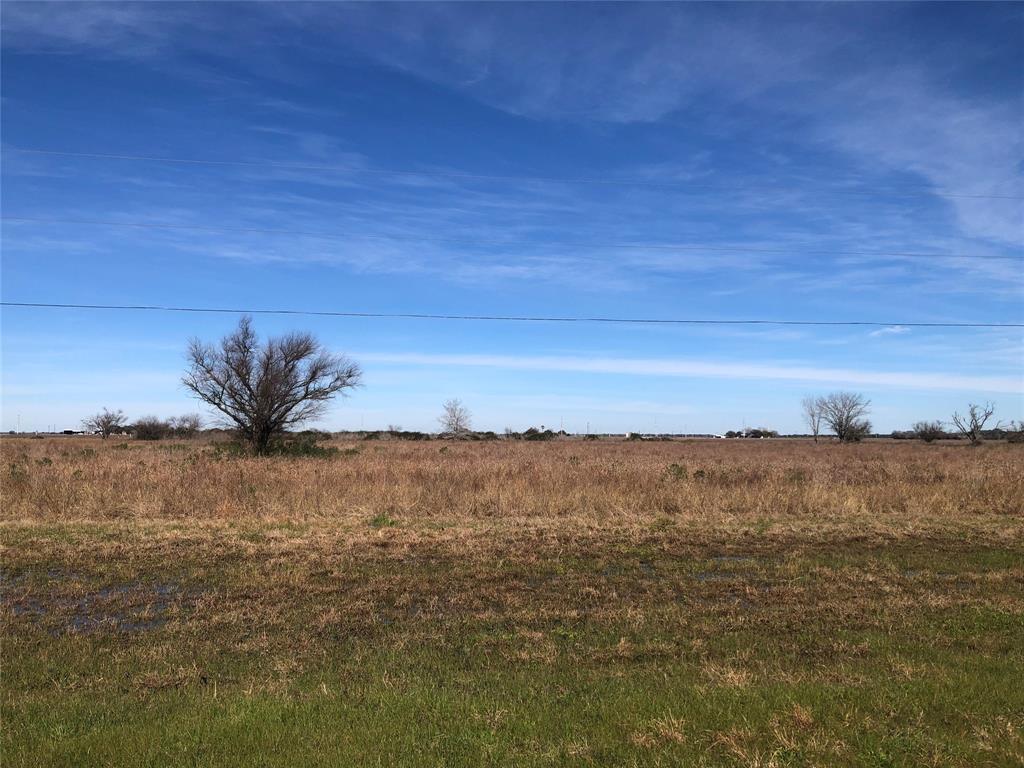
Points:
(261, 442)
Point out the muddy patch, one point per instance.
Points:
(134, 606)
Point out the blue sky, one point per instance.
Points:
(778, 143)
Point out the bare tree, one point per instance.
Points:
(812, 410)
(185, 426)
(455, 419)
(928, 430)
(844, 413)
(263, 390)
(105, 422)
(971, 425)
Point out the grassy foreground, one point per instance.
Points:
(770, 603)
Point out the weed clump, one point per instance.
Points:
(382, 520)
(797, 476)
(677, 471)
(18, 474)
(293, 446)
(303, 445)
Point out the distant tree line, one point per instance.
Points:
(107, 423)
(153, 428)
(265, 390)
(969, 426)
(843, 413)
(748, 432)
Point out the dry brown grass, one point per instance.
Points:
(738, 535)
(570, 486)
(722, 572)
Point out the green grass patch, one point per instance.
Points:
(282, 645)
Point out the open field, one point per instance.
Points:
(567, 603)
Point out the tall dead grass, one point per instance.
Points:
(562, 485)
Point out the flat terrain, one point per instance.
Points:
(763, 603)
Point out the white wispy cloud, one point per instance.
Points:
(891, 330)
(650, 64)
(709, 369)
(885, 111)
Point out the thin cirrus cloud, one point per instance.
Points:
(891, 330)
(704, 369)
(886, 112)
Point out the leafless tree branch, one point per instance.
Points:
(844, 414)
(263, 391)
(455, 419)
(971, 425)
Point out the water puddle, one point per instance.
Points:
(126, 607)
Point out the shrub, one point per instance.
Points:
(677, 472)
(797, 475)
(535, 434)
(857, 431)
(151, 428)
(186, 426)
(404, 435)
(929, 430)
(302, 444)
(18, 475)
(232, 449)
(293, 445)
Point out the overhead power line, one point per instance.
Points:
(664, 184)
(505, 243)
(497, 318)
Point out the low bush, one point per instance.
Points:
(535, 434)
(295, 445)
(929, 430)
(151, 428)
(303, 445)
(677, 472)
